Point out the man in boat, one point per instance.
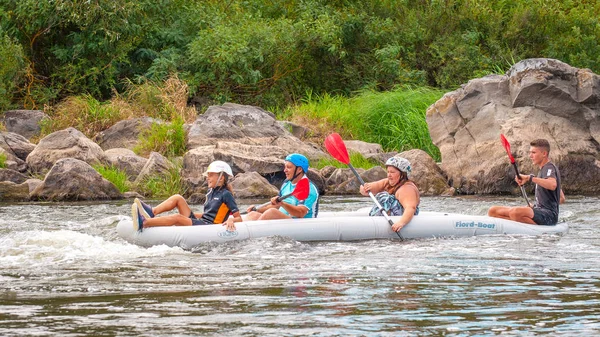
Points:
(218, 207)
(548, 192)
(397, 193)
(295, 169)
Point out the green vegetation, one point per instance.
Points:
(163, 186)
(115, 176)
(3, 160)
(394, 119)
(269, 53)
(167, 139)
(356, 159)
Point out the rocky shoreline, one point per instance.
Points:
(537, 98)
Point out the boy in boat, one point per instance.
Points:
(296, 166)
(217, 208)
(548, 192)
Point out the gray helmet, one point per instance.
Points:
(400, 163)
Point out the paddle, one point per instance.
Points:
(337, 149)
(506, 145)
(300, 192)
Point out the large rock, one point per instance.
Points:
(124, 134)
(156, 166)
(127, 161)
(24, 122)
(12, 175)
(73, 179)
(428, 176)
(537, 98)
(16, 148)
(252, 185)
(68, 143)
(10, 191)
(247, 125)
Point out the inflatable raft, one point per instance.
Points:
(334, 226)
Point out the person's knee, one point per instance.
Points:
(271, 213)
(253, 216)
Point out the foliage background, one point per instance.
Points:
(270, 53)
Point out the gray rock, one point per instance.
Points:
(10, 191)
(157, 165)
(12, 176)
(426, 174)
(24, 122)
(252, 185)
(16, 144)
(73, 179)
(68, 143)
(127, 161)
(124, 134)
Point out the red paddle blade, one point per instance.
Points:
(302, 189)
(507, 148)
(336, 148)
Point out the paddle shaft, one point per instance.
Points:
(521, 186)
(385, 215)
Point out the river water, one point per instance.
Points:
(65, 272)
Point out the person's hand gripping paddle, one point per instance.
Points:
(506, 145)
(337, 149)
(301, 192)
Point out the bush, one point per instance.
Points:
(12, 68)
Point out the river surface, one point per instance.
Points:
(65, 272)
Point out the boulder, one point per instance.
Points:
(363, 148)
(428, 176)
(16, 144)
(252, 185)
(12, 162)
(68, 143)
(74, 179)
(156, 165)
(124, 134)
(24, 122)
(10, 191)
(537, 98)
(12, 176)
(247, 125)
(127, 161)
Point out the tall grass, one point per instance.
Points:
(167, 139)
(356, 159)
(115, 176)
(3, 158)
(165, 100)
(163, 186)
(394, 119)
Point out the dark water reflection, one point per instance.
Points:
(64, 271)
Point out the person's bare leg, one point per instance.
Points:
(168, 220)
(273, 214)
(174, 201)
(252, 216)
(501, 212)
(522, 214)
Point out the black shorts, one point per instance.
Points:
(196, 221)
(544, 217)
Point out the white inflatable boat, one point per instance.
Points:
(334, 226)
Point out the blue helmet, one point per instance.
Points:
(298, 160)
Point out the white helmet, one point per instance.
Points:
(218, 167)
(400, 163)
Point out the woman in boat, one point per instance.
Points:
(218, 207)
(397, 194)
(295, 169)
